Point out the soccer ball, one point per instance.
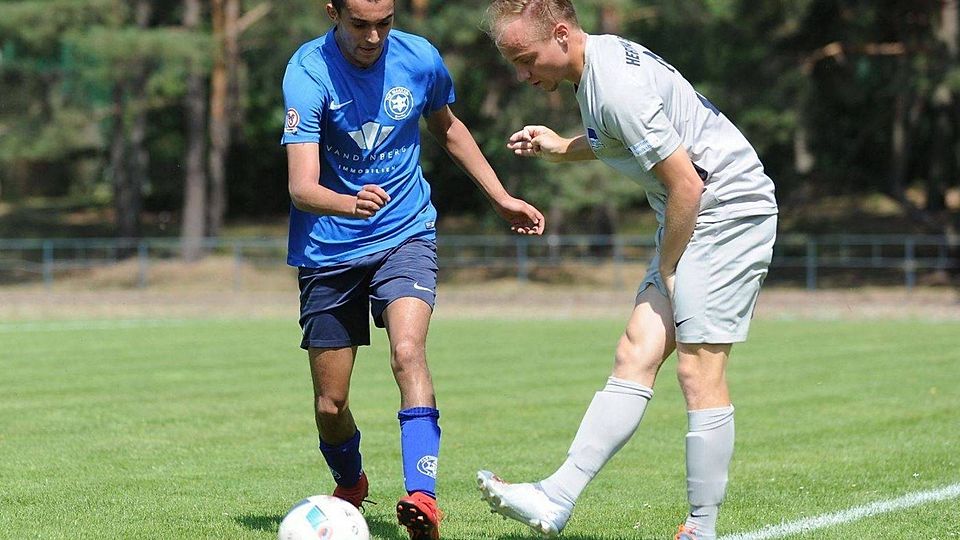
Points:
(323, 517)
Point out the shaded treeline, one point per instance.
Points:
(175, 105)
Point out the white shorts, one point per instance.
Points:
(718, 278)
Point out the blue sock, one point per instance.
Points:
(344, 460)
(419, 447)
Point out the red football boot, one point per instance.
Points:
(356, 494)
(418, 512)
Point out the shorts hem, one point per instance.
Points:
(427, 299)
(329, 344)
(721, 339)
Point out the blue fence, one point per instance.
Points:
(804, 260)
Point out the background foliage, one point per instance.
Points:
(840, 98)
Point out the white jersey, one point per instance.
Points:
(637, 110)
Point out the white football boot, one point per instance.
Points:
(526, 503)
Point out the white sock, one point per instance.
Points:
(709, 449)
(608, 424)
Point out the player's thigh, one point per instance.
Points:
(648, 338)
(407, 320)
(718, 279)
(408, 272)
(331, 370)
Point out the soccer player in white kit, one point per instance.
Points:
(717, 220)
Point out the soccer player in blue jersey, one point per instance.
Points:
(362, 229)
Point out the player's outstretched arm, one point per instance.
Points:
(457, 140)
(306, 193)
(543, 142)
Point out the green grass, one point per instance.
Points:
(203, 429)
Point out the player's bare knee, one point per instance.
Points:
(331, 408)
(692, 378)
(698, 380)
(407, 355)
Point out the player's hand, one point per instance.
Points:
(370, 199)
(524, 218)
(538, 141)
(669, 278)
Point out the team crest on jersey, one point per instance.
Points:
(398, 103)
(594, 140)
(292, 122)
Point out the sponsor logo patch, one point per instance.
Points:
(645, 145)
(398, 103)
(370, 135)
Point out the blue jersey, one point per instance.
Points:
(366, 121)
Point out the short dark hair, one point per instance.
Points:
(339, 4)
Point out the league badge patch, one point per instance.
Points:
(293, 121)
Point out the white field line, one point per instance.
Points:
(853, 514)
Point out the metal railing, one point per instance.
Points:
(806, 260)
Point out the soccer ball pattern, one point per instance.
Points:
(323, 517)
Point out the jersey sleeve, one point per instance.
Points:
(441, 92)
(305, 101)
(633, 113)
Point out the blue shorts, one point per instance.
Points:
(334, 299)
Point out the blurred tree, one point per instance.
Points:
(884, 78)
(128, 156)
(46, 136)
(226, 114)
(87, 75)
(223, 97)
(193, 221)
(109, 98)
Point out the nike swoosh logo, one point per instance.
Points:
(418, 287)
(338, 106)
(683, 321)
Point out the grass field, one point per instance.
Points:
(202, 428)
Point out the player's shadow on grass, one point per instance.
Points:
(260, 523)
(384, 528)
(380, 528)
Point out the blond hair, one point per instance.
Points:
(544, 14)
